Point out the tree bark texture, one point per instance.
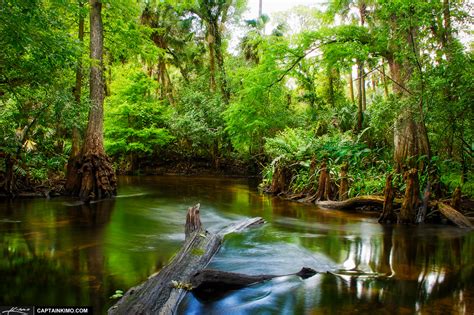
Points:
(162, 292)
(212, 61)
(98, 178)
(360, 96)
(73, 182)
(324, 183)
(456, 199)
(281, 178)
(388, 215)
(351, 88)
(344, 184)
(411, 200)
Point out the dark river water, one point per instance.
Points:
(56, 252)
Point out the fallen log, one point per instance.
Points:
(162, 292)
(450, 213)
(354, 202)
(210, 284)
(454, 216)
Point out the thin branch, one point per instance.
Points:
(296, 62)
(401, 86)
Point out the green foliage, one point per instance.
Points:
(289, 95)
(135, 121)
(297, 147)
(117, 295)
(261, 106)
(198, 123)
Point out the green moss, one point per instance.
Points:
(197, 251)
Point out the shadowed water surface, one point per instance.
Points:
(59, 252)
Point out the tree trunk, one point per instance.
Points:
(98, 177)
(412, 199)
(410, 134)
(162, 292)
(360, 94)
(456, 200)
(324, 187)
(73, 178)
(446, 38)
(421, 215)
(385, 83)
(220, 64)
(344, 185)
(212, 61)
(9, 184)
(364, 95)
(388, 215)
(281, 178)
(351, 88)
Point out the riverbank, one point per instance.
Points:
(54, 185)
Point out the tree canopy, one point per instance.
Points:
(381, 85)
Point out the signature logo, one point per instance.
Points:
(17, 311)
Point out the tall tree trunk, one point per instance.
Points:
(360, 111)
(364, 94)
(446, 37)
(332, 99)
(384, 80)
(351, 88)
(410, 134)
(72, 184)
(98, 177)
(212, 61)
(220, 64)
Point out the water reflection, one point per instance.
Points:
(60, 252)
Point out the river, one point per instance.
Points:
(59, 252)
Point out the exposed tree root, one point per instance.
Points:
(98, 177)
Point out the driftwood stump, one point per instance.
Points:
(324, 183)
(162, 292)
(344, 185)
(281, 178)
(411, 200)
(388, 215)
